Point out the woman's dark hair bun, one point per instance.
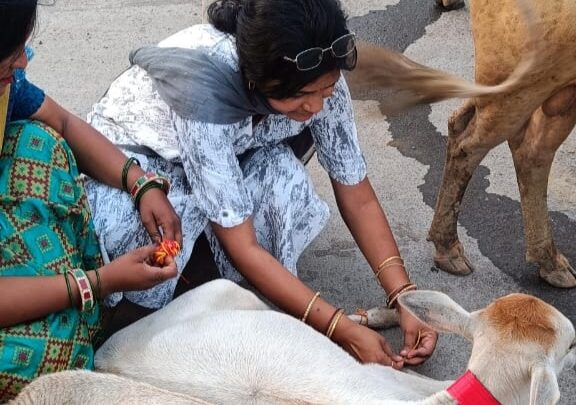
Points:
(223, 15)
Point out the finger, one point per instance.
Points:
(386, 360)
(389, 352)
(151, 227)
(143, 253)
(169, 271)
(170, 266)
(158, 275)
(415, 361)
(399, 365)
(410, 342)
(167, 229)
(425, 346)
(420, 354)
(147, 215)
(380, 357)
(178, 231)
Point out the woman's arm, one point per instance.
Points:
(50, 295)
(24, 299)
(367, 222)
(287, 292)
(103, 161)
(263, 271)
(96, 155)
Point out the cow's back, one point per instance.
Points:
(500, 38)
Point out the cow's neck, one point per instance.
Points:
(469, 390)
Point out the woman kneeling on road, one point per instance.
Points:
(216, 107)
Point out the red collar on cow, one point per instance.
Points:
(468, 390)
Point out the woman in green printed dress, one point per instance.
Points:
(51, 270)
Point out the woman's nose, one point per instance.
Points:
(314, 104)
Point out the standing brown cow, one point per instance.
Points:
(533, 43)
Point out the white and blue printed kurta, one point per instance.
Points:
(209, 183)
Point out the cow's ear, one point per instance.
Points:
(438, 311)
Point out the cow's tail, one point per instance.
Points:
(418, 84)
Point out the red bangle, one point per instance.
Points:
(86, 293)
(147, 178)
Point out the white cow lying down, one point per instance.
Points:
(223, 345)
(82, 387)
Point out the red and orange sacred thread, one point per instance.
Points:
(165, 248)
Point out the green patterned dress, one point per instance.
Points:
(45, 228)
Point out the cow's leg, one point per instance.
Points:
(450, 4)
(376, 318)
(468, 143)
(533, 152)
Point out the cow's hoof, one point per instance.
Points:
(454, 261)
(450, 5)
(561, 276)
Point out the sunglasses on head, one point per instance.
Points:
(312, 58)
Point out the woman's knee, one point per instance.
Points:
(37, 163)
(35, 126)
(37, 141)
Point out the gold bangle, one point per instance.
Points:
(392, 301)
(386, 261)
(394, 291)
(309, 307)
(406, 287)
(334, 323)
(380, 269)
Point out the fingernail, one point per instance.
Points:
(403, 353)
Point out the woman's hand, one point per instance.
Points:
(158, 216)
(132, 272)
(419, 339)
(365, 345)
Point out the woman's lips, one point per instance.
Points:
(303, 116)
(6, 80)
